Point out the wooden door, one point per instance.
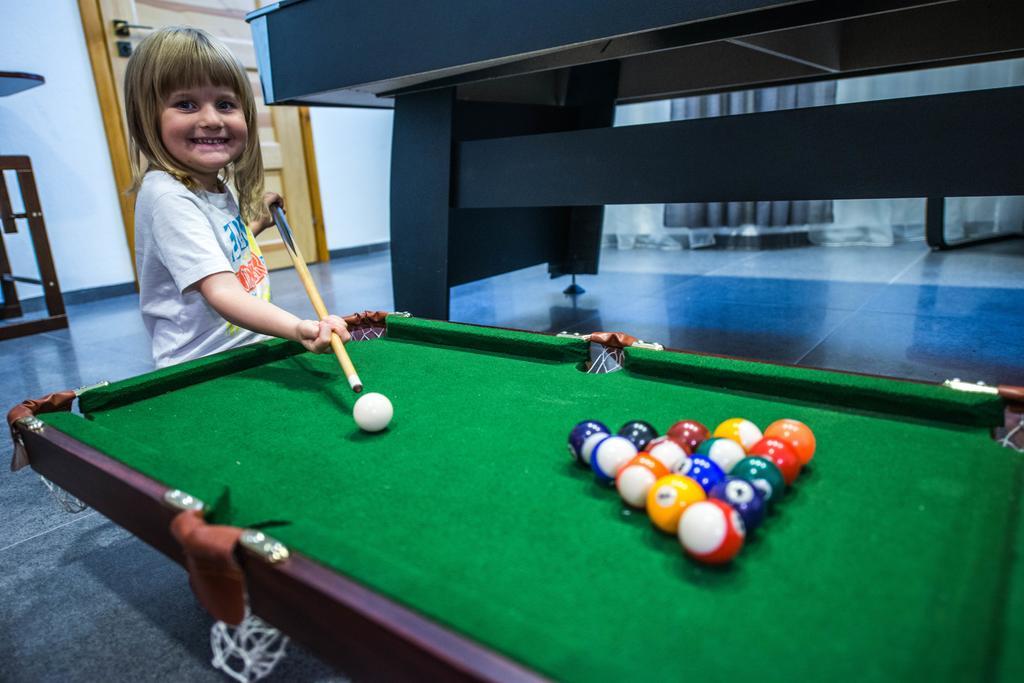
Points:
(288, 164)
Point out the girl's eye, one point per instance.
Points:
(184, 105)
(226, 105)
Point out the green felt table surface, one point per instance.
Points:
(895, 555)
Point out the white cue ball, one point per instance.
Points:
(372, 412)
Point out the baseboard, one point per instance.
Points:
(80, 296)
(767, 241)
(360, 250)
(710, 238)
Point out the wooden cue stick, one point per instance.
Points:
(314, 296)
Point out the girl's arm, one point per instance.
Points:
(225, 294)
(260, 224)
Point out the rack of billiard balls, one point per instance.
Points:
(708, 488)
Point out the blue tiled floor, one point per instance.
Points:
(901, 311)
(926, 346)
(950, 301)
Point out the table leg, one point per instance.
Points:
(421, 162)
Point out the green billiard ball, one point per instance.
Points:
(763, 474)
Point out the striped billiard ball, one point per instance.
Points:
(711, 531)
(744, 499)
(743, 432)
(609, 455)
(668, 451)
(636, 478)
(762, 473)
(723, 452)
(580, 433)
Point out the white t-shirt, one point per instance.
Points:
(182, 236)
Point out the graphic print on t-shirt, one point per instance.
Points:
(247, 261)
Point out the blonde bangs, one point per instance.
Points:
(182, 58)
(191, 59)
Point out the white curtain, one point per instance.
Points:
(855, 222)
(749, 221)
(639, 225)
(884, 222)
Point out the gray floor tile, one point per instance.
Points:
(32, 509)
(93, 603)
(54, 364)
(106, 319)
(775, 290)
(345, 287)
(686, 262)
(972, 304)
(998, 264)
(931, 348)
(840, 264)
(781, 334)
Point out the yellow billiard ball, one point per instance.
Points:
(669, 497)
(743, 432)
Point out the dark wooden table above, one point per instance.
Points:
(504, 151)
(12, 82)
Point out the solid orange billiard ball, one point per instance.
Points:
(799, 436)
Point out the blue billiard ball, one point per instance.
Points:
(703, 471)
(580, 433)
(639, 432)
(744, 497)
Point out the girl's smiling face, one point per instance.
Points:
(204, 129)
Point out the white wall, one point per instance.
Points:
(58, 125)
(353, 158)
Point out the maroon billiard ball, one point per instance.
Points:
(689, 432)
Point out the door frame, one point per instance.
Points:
(110, 109)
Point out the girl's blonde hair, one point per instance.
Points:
(179, 58)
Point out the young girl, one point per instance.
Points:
(203, 282)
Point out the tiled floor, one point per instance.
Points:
(901, 311)
(83, 600)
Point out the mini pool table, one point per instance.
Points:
(464, 543)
